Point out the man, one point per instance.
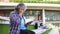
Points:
(17, 21)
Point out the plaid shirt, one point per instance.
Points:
(14, 23)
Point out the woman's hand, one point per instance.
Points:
(28, 23)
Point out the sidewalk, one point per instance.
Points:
(39, 31)
(54, 31)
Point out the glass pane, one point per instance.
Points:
(29, 14)
(52, 15)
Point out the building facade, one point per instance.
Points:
(50, 13)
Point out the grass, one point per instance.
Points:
(47, 31)
(30, 27)
(4, 28)
(59, 30)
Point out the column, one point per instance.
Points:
(43, 15)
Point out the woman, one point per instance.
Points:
(37, 22)
(17, 21)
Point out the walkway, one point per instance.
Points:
(39, 31)
(54, 31)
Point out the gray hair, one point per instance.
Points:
(21, 5)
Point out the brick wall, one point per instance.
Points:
(1, 13)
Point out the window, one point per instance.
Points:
(30, 13)
(52, 15)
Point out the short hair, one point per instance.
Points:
(20, 5)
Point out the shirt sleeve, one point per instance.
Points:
(14, 23)
(14, 17)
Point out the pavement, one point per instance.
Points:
(54, 31)
(39, 31)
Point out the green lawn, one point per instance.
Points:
(4, 28)
(59, 30)
(47, 31)
(30, 27)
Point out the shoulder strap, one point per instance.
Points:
(23, 18)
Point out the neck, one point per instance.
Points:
(20, 14)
